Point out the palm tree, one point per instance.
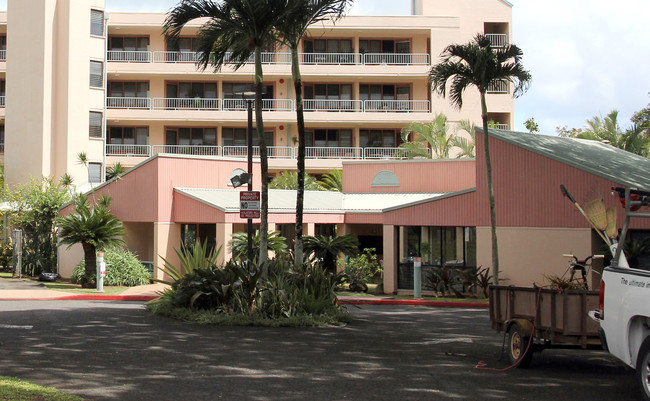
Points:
(234, 31)
(326, 249)
(291, 28)
(289, 180)
(117, 170)
(239, 244)
(608, 130)
(332, 181)
(93, 228)
(465, 145)
(434, 134)
(478, 64)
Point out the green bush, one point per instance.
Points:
(122, 269)
(359, 270)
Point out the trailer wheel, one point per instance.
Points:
(518, 350)
(643, 370)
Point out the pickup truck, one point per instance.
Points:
(624, 303)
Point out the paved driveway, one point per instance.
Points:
(117, 351)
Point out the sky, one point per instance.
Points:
(586, 57)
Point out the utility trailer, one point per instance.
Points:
(551, 318)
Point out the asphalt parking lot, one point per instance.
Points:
(117, 351)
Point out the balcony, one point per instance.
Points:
(309, 105)
(498, 39)
(274, 152)
(3, 55)
(499, 86)
(278, 58)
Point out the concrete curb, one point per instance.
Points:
(348, 301)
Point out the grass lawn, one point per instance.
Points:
(5, 274)
(76, 289)
(18, 390)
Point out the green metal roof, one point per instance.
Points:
(600, 159)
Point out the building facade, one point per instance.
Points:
(81, 80)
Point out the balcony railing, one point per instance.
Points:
(128, 56)
(309, 105)
(396, 105)
(500, 126)
(274, 152)
(128, 103)
(278, 58)
(3, 55)
(498, 39)
(498, 86)
(332, 105)
(2, 101)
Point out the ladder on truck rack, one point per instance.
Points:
(633, 200)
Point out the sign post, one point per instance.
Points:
(249, 204)
(417, 277)
(101, 271)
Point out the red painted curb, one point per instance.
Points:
(89, 297)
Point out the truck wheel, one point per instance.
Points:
(518, 350)
(643, 370)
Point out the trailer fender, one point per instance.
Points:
(526, 326)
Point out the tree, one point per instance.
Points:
(234, 31)
(289, 180)
(332, 181)
(531, 125)
(465, 145)
(291, 28)
(478, 64)
(239, 244)
(434, 135)
(93, 228)
(326, 249)
(117, 170)
(642, 119)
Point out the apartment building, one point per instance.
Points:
(80, 79)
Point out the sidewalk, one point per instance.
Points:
(37, 291)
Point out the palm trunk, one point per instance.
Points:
(264, 163)
(300, 193)
(488, 169)
(90, 259)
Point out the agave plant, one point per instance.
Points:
(199, 257)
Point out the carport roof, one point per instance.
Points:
(600, 159)
(284, 201)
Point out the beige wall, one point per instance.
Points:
(526, 255)
(166, 238)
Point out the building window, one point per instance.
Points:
(379, 138)
(96, 22)
(328, 46)
(128, 135)
(128, 48)
(188, 90)
(96, 74)
(328, 138)
(238, 137)
(389, 46)
(3, 47)
(2, 138)
(94, 172)
(191, 136)
(95, 124)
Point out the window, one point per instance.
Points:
(385, 97)
(234, 90)
(2, 92)
(329, 138)
(328, 46)
(95, 126)
(238, 137)
(94, 172)
(3, 47)
(96, 74)
(379, 138)
(97, 22)
(184, 45)
(2, 138)
(128, 43)
(187, 90)
(128, 135)
(328, 97)
(128, 89)
(191, 136)
(384, 46)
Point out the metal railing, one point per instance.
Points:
(3, 55)
(195, 150)
(128, 103)
(500, 126)
(128, 150)
(309, 105)
(332, 105)
(403, 106)
(2, 101)
(129, 56)
(498, 86)
(186, 104)
(279, 58)
(274, 152)
(498, 39)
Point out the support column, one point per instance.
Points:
(224, 234)
(166, 238)
(390, 259)
(310, 229)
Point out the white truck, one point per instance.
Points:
(624, 305)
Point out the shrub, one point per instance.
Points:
(359, 270)
(122, 268)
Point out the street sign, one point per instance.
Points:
(249, 204)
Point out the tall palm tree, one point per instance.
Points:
(478, 64)
(291, 28)
(289, 180)
(608, 129)
(94, 228)
(234, 31)
(332, 181)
